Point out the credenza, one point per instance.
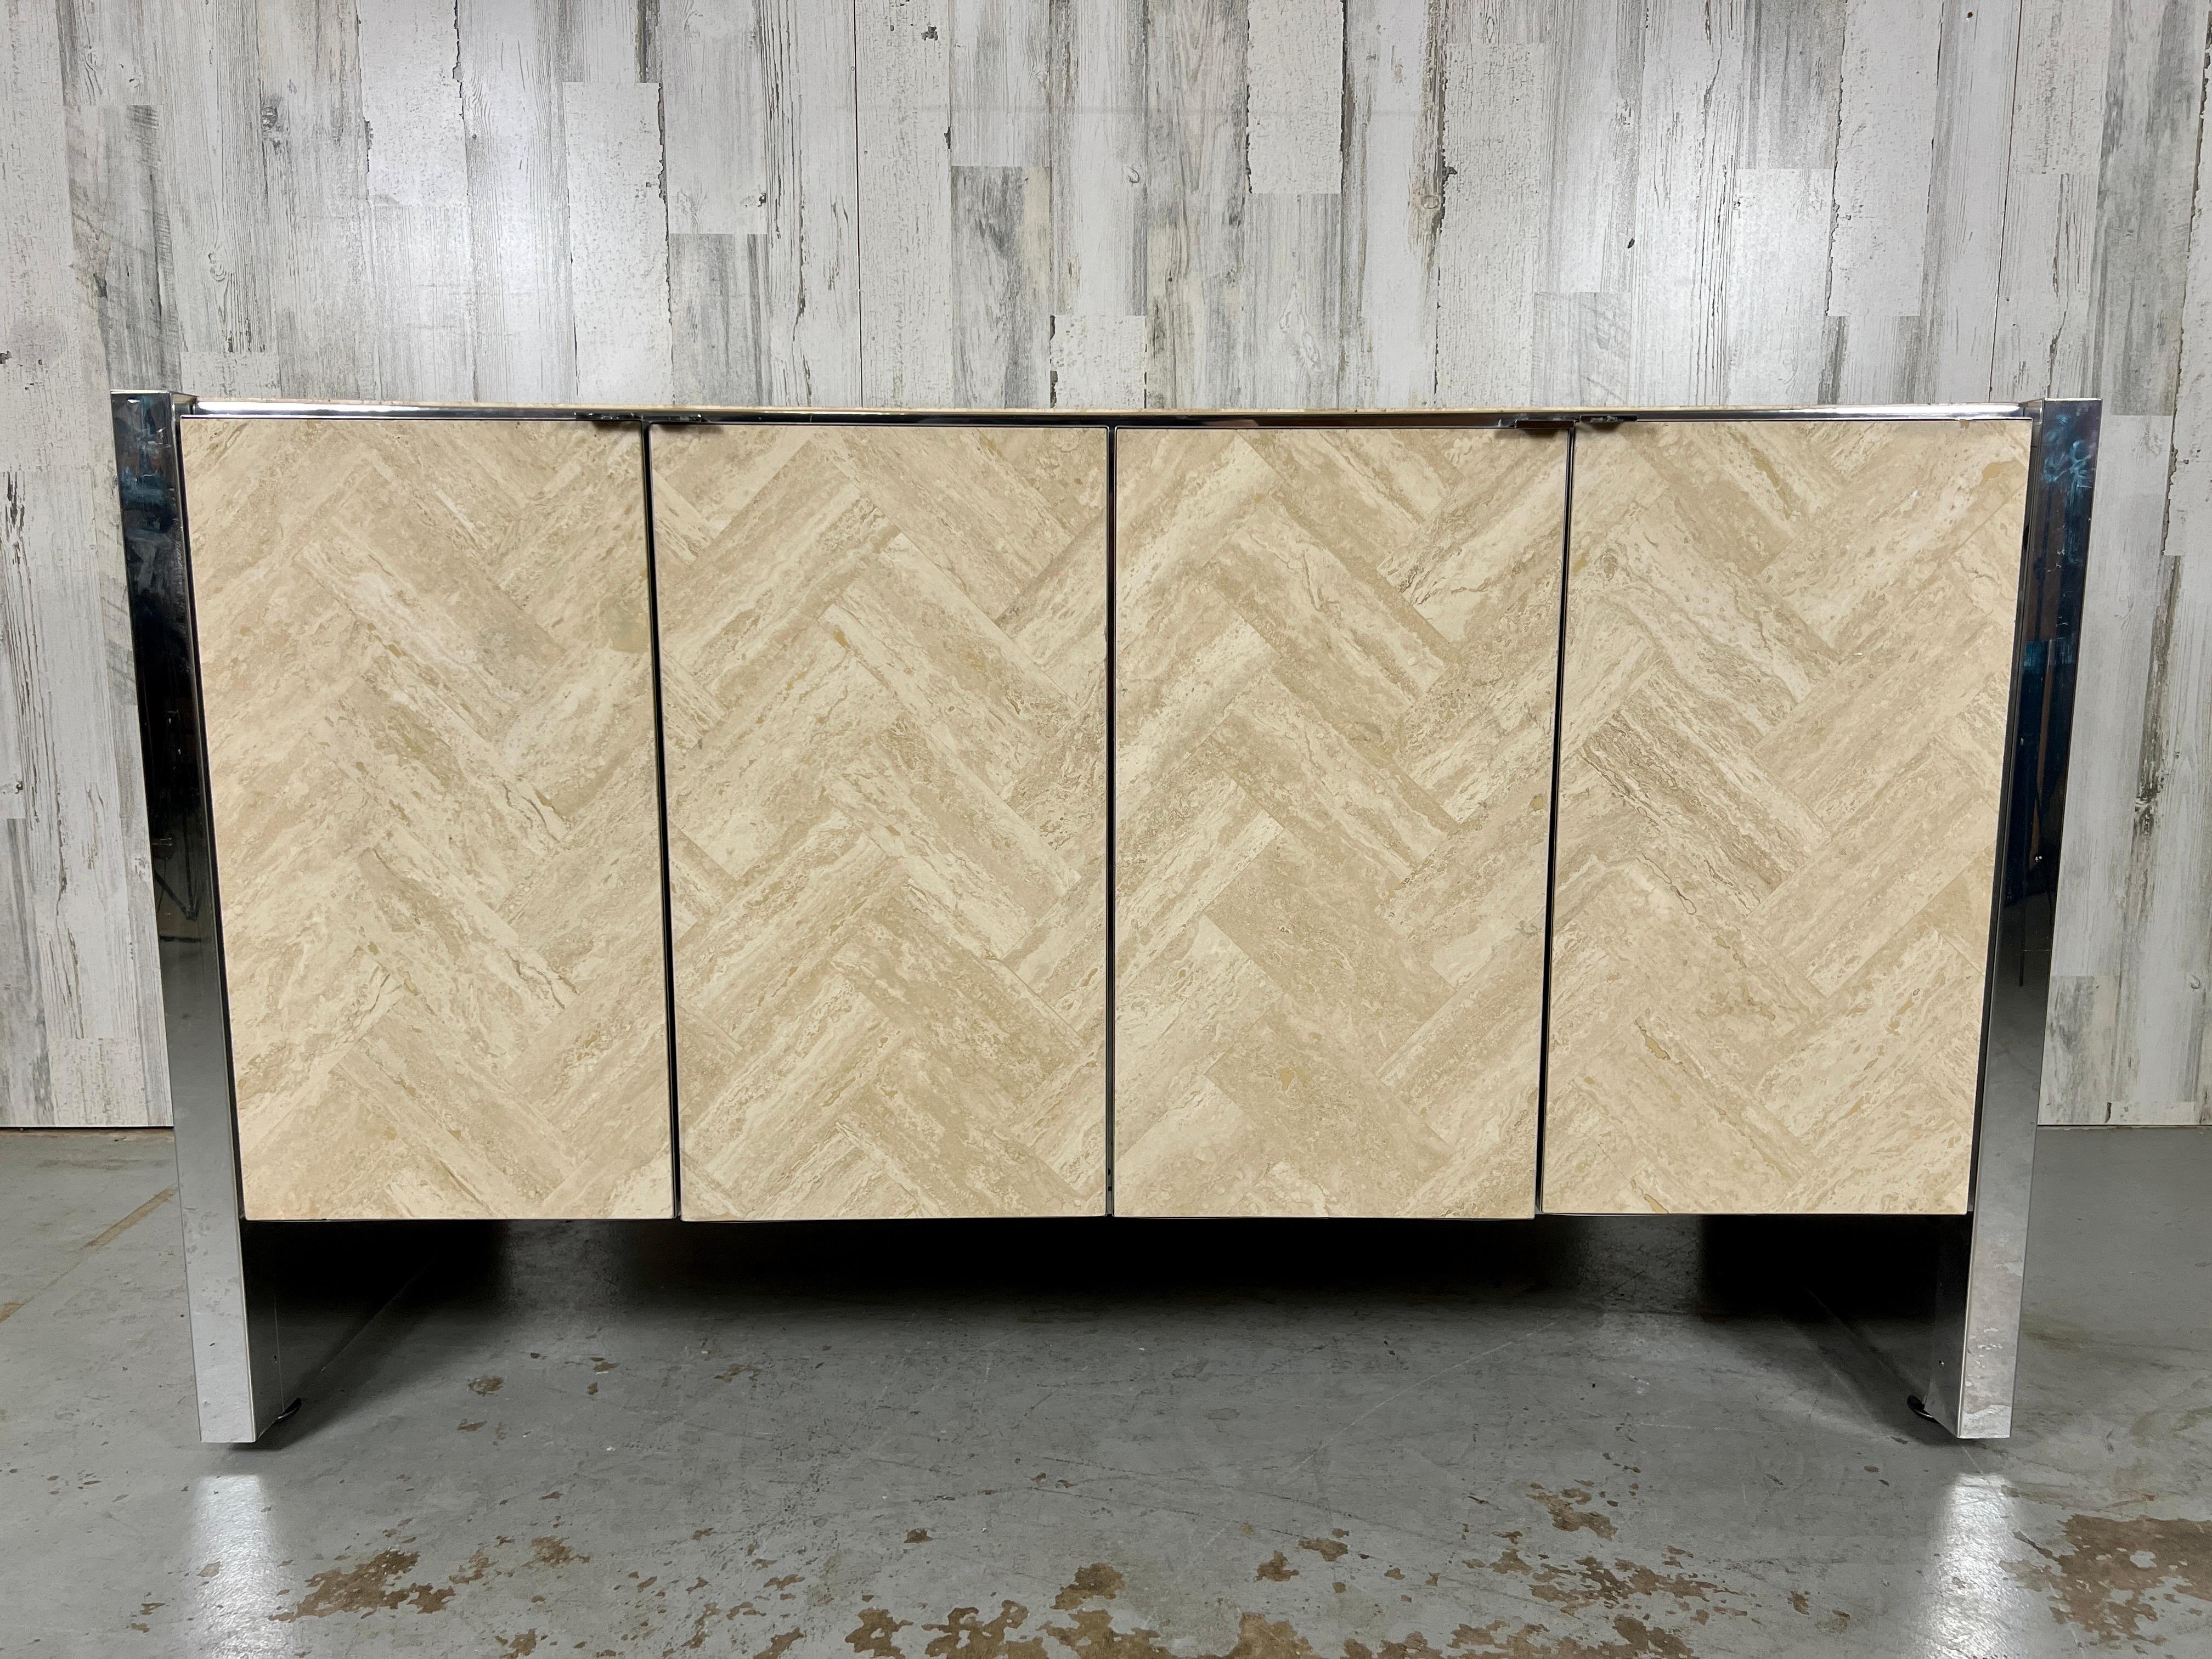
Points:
(757, 815)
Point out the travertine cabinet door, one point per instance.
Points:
(427, 668)
(883, 660)
(1336, 658)
(1788, 660)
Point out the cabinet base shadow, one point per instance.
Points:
(1853, 1300)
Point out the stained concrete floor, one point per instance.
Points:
(1124, 1440)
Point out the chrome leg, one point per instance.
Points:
(1978, 1278)
(268, 1301)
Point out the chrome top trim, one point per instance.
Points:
(239, 408)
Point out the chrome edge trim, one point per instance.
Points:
(234, 1349)
(240, 409)
(1979, 1273)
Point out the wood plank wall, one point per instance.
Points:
(1104, 203)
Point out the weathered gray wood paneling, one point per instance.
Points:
(1095, 91)
(1101, 203)
(904, 74)
(79, 1014)
(417, 185)
(1392, 203)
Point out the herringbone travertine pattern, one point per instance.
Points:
(1336, 662)
(884, 657)
(430, 717)
(1789, 649)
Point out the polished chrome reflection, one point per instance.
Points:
(1978, 1285)
(247, 409)
(233, 1342)
(267, 1302)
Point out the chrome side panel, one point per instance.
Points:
(1978, 1276)
(233, 1339)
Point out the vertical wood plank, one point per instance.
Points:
(1582, 320)
(812, 256)
(1497, 97)
(315, 161)
(75, 862)
(1197, 350)
(26, 1090)
(1884, 142)
(1600, 55)
(2044, 318)
(202, 59)
(600, 41)
(1293, 243)
(122, 233)
(417, 179)
(1294, 98)
(2059, 104)
(2153, 109)
(2166, 950)
(618, 236)
(712, 115)
(999, 106)
(1582, 349)
(1778, 284)
(714, 138)
(1002, 287)
(1097, 363)
(1095, 89)
(1692, 105)
(2080, 1034)
(1294, 89)
(1963, 243)
(234, 374)
(2162, 1072)
(2190, 510)
(522, 307)
(1001, 149)
(1793, 81)
(904, 67)
(1393, 203)
(2119, 611)
(714, 284)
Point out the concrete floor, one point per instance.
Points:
(1552, 1440)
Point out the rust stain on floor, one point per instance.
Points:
(365, 1588)
(1587, 1582)
(1091, 1633)
(1097, 1582)
(553, 1552)
(1612, 1607)
(1566, 1513)
(2113, 1575)
(874, 1634)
